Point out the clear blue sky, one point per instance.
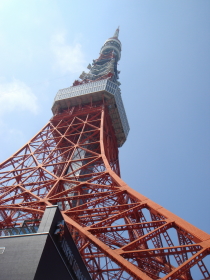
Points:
(165, 69)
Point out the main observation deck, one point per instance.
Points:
(96, 91)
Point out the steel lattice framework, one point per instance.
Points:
(121, 234)
(73, 162)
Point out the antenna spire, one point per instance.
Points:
(116, 34)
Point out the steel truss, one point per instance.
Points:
(121, 234)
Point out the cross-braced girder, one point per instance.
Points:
(121, 234)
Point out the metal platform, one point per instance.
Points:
(96, 91)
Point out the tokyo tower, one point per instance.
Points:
(72, 162)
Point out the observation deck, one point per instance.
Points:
(96, 91)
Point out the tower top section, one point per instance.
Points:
(106, 65)
(99, 84)
(112, 44)
(116, 34)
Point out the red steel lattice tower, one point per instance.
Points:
(73, 162)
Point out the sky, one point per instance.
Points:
(165, 70)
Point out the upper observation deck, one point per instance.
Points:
(95, 91)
